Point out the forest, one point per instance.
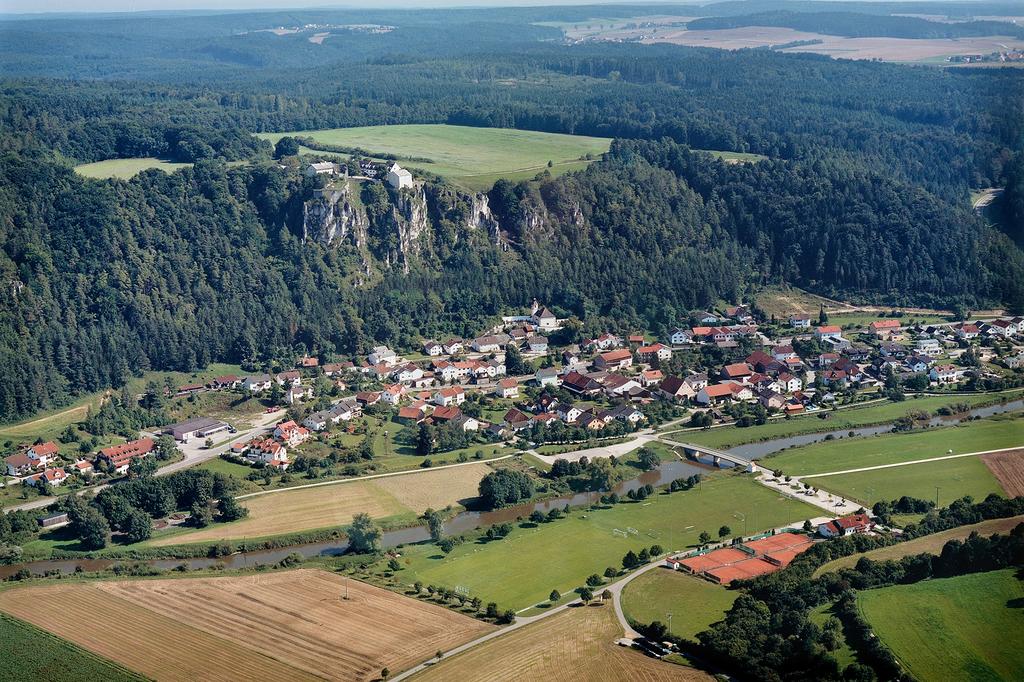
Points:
(864, 194)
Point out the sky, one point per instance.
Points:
(29, 6)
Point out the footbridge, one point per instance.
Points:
(718, 458)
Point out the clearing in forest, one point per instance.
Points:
(292, 625)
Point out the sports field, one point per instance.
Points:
(326, 506)
(126, 168)
(962, 628)
(522, 569)
(932, 544)
(31, 655)
(577, 644)
(475, 157)
(289, 625)
(693, 602)
(891, 448)
(725, 437)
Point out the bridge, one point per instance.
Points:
(703, 453)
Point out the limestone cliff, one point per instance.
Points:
(334, 216)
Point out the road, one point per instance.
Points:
(195, 454)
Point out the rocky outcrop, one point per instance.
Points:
(411, 221)
(481, 218)
(333, 216)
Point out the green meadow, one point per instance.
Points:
(126, 168)
(522, 569)
(962, 628)
(694, 603)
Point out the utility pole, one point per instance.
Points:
(670, 623)
(936, 496)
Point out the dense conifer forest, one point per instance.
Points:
(864, 193)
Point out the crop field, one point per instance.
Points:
(292, 625)
(475, 157)
(891, 448)
(1008, 468)
(577, 644)
(693, 602)
(126, 168)
(522, 569)
(327, 506)
(31, 654)
(954, 478)
(932, 544)
(962, 628)
(839, 420)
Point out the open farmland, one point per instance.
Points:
(931, 544)
(577, 644)
(396, 497)
(874, 48)
(694, 603)
(954, 478)
(522, 569)
(962, 628)
(854, 453)
(126, 168)
(290, 625)
(31, 654)
(475, 157)
(1008, 468)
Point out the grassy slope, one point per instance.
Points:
(694, 603)
(854, 453)
(968, 627)
(31, 654)
(931, 544)
(522, 569)
(879, 413)
(844, 655)
(126, 168)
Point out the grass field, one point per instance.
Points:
(853, 453)
(291, 625)
(31, 655)
(577, 644)
(126, 168)
(694, 603)
(931, 544)
(1008, 468)
(397, 498)
(962, 628)
(474, 157)
(953, 477)
(838, 420)
(844, 655)
(522, 569)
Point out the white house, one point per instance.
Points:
(398, 177)
(507, 388)
(679, 336)
(800, 321)
(433, 348)
(829, 331)
(546, 376)
(447, 397)
(947, 374)
(321, 168)
(930, 347)
(256, 383)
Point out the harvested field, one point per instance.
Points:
(290, 625)
(577, 644)
(932, 544)
(1008, 468)
(326, 506)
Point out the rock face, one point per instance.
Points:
(481, 217)
(332, 216)
(411, 221)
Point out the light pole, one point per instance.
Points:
(742, 517)
(670, 623)
(936, 496)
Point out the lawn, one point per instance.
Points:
(862, 320)
(126, 168)
(838, 420)
(962, 628)
(522, 569)
(953, 477)
(31, 654)
(693, 602)
(932, 544)
(891, 448)
(576, 644)
(844, 655)
(474, 157)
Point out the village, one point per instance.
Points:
(514, 385)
